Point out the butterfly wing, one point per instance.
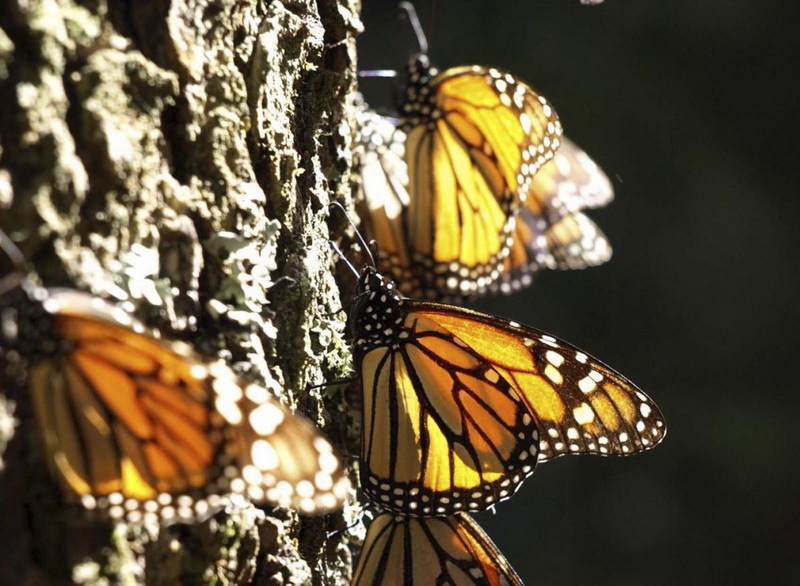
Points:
(136, 426)
(474, 139)
(568, 183)
(581, 405)
(442, 430)
(383, 178)
(409, 551)
(550, 230)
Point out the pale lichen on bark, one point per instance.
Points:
(178, 158)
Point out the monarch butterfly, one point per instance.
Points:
(440, 550)
(459, 405)
(134, 427)
(549, 231)
(473, 138)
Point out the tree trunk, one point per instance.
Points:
(180, 157)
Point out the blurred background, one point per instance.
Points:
(691, 109)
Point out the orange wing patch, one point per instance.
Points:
(443, 431)
(581, 405)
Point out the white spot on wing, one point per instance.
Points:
(265, 419)
(587, 385)
(583, 414)
(264, 455)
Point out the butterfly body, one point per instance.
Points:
(135, 427)
(459, 406)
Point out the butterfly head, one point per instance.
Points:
(376, 314)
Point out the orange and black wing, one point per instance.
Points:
(580, 405)
(134, 426)
(442, 430)
(551, 231)
(474, 138)
(406, 551)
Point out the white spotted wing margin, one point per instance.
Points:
(140, 428)
(441, 550)
(580, 405)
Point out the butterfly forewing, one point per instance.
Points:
(506, 127)
(407, 551)
(459, 405)
(134, 426)
(383, 178)
(570, 182)
(581, 405)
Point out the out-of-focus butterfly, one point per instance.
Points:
(550, 230)
(135, 427)
(472, 139)
(459, 406)
(400, 550)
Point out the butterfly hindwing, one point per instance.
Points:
(550, 230)
(408, 551)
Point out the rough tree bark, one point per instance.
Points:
(179, 156)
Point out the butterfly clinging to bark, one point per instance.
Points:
(136, 427)
(460, 406)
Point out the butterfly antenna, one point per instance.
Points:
(17, 259)
(411, 13)
(361, 240)
(14, 254)
(344, 258)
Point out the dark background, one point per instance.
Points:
(691, 107)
